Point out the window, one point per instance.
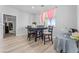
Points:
(48, 17)
(51, 22)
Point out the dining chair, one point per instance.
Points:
(47, 34)
(30, 32)
(39, 33)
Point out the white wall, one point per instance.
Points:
(34, 18)
(22, 18)
(22, 22)
(1, 26)
(37, 19)
(66, 16)
(78, 17)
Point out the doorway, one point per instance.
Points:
(9, 28)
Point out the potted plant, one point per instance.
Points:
(34, 23)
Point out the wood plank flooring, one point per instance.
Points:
(20, 44)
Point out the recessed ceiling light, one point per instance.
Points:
(33, 7)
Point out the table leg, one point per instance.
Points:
(36, 36)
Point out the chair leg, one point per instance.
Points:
(44, 40)
(29, 36)
(51, 39)
(36, 37)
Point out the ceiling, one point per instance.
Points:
(33, 8)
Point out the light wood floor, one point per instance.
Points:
(20, 44)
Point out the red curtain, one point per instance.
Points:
(42, 17)
(50, 13)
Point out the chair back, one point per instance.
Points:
(50, 28)
(29, 29)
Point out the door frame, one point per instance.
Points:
(4, 24)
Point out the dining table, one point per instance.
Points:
(38, 31)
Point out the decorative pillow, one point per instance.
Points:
(75, 36)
